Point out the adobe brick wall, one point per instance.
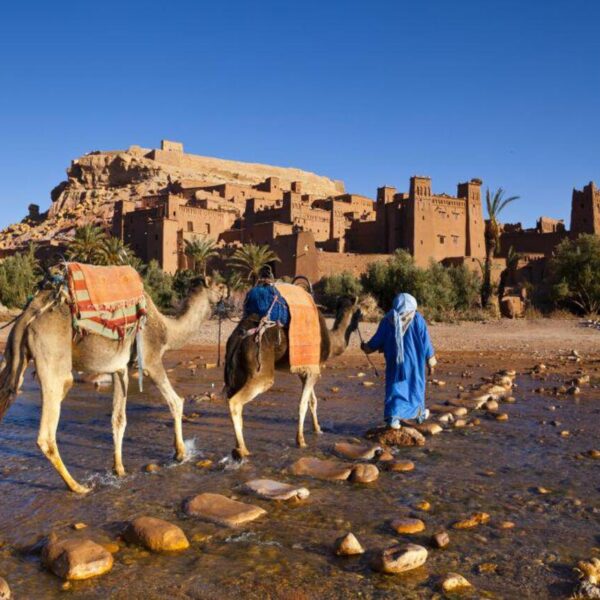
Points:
(334, 263)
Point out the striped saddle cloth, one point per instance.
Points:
(108, 301)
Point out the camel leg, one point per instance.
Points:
(308, 383)
(119, 418)
(236, 407)
(175, 402)
(54, 386)
(313, 412)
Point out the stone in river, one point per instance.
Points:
(4, 590)
(356, 451)
(429, 428)
(348, 545)
(405, 436)
(331, 470)
(221, 510)
(156, 535)
(491, 405)
(593, 454)
(364, 474)
(75, 559)
(441, 539)
(385, 456)
(269, 489)
(473, 521)
(453, 582)
(502, 417)
(407, 525)
(399, 559)
(400, 466)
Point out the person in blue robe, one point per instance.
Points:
(404, 339)
(265, 299)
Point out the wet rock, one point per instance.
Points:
(348, 545)
(400, 466)
(487, 567)
(589, 570)
(586, 591)
(385, 456)
(364, 474)
(152, 468)
(269, 489)
(401, 558)
(456, 411)
(111, 547)
(506, 525)
(222, 510)
(491, 405)
(539, 368)
(581, 380)
(356, 451)
(459, 423)
(368, 383)
(474, 520)
(428, 428)
(405, 436)
(542, 490)
(509, 399)
(424, 506)
(79, 526)
(453, 582)
(574, 390)
(502, 416)
(205, 463)
(75, 559)
(407, 525)
(4, 590)
(331, 470)
(440, 540)
(595, 454)
(446, 419)
(335, 389)
(156, 535)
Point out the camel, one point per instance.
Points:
(44, 333)
(246, 376)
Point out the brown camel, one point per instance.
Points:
(44, 333)
(246, 376)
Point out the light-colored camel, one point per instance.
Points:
(246, 376)
(44, 333)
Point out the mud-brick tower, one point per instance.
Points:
(475, 223)
(585, 210)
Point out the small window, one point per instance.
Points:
(190, 226)
(207, 228)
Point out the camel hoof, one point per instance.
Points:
(180, 456)
(120, 471)
(318, 432)
(239, 453)
(80, 489)
(300, 443)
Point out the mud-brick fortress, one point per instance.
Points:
(156, 199)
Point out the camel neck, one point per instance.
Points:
(182, 327)
(339, 334)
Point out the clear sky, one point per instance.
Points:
(368, 92)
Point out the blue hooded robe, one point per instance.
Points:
(406, 355)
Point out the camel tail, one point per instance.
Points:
(14, 364)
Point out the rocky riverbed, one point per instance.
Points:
(526, 483)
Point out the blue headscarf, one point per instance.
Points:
(402, 314)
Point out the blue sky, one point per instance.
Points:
(368, 92)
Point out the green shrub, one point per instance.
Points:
(575, 274)
(159, 285)
(332, 287)
(19, 276)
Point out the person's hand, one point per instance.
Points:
(430, 370)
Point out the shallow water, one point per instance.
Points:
(288, 553)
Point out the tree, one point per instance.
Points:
(19, 276)
(200, 250)
(495, 204)
(87, 244)
(339, 284)
(575, 274)
(159, 285)
(251, 258)
(113, 251)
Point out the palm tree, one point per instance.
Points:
(114, 252)
(87, 244)
(251, 258)
(495, 203)
(200, 250)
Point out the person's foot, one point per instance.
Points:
(423, 416)
(394, 423)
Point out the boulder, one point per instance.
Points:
(4, 590)
(348, 545)
(408, 526)
(364, 474)
(330, 470)
(156, 535)
(356, 451)
(221, 510)
(405, 436)
(268, 489)
(401, 558)
(75, 559)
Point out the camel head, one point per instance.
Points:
(347, 318)
(215, 290)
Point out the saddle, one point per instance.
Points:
(107, 301)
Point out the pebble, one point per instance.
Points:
(79, 526)
(335, 389)
(487, 567)
(205, 463)
(543, 490)
(502, 417)
(156, 535)
(424, 505)
(506, 525)
(574, 390)
(399, 559)
(385, 456)
(368, 383)
(4, 590)
(408, 526)
(152, 468)
(440, 540)
(400, 466)
(460, 423)
(348, 545)
(593, 454)
(453, 582)
(364, 474)
(473, 521)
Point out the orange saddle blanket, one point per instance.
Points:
(304, 331)
(108, 301)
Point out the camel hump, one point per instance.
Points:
(304, 332)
